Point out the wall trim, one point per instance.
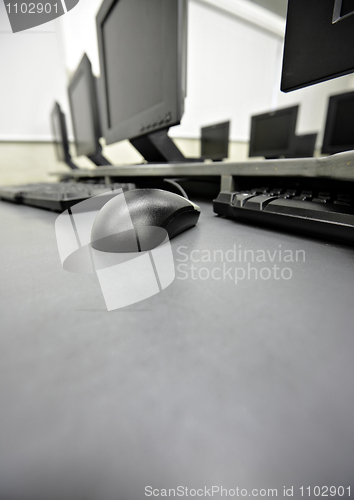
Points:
(27, 138)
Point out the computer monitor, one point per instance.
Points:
(318, 42)
(339, 130)
(215, 141)
(303, 146)
(82, 92)
(142, 50)
(60, 135)
(272, 133)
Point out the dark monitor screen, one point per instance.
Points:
(84, 109)
(58, 126)
(339, 130)
(215, 141)
(318, 42)
(303, 146)
(272, 133)
(60, 136)
(142, 49)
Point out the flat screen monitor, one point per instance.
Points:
(142, 51)
(303, 146)
(84, 110)
(318, 42)
(272, 133)
(339, 130)
(215, 141)
(60, 136)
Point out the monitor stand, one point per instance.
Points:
(99, 160)
(158, 147)
(71, 165)
(68, 161)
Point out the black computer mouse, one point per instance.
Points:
(141, 219)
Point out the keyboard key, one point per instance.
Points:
(57, 196)
(240, 199)
(310, 209)
(343, 199)
(259, 202)
(296, 213)
(307, 194)
(324, 196)
(290, 192)
(226, 196)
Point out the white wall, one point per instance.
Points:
(234, 71)
(79, 34)
(230, 71)
(234, 64)
(32, 75)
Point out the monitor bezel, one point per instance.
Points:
(314, 45)
(64, 140)
(304, 146)
(225, 126)
(333, 101)
(174, 88)
(275, 153)
(61, 146)
(84, 70)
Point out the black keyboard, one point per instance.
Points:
(318, 213)
(57, 196)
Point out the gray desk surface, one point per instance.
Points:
(209, 383)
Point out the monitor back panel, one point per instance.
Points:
(272, 134)
(215, 141)
(316, 49)
(339, 130)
